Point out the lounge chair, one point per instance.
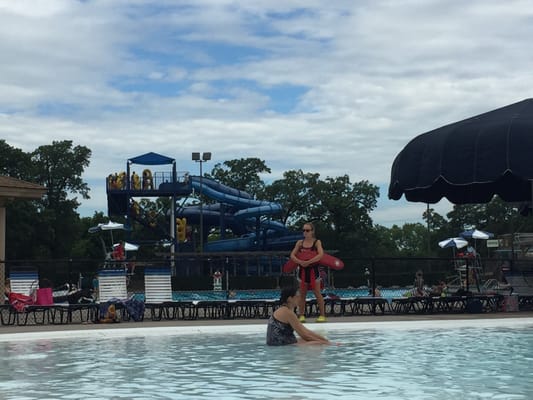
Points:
(24, 280)
(112, 284)
(112, 290)
(522, 286)
(158, 292)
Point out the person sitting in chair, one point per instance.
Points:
(439, 290)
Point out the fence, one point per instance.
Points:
(262, 270)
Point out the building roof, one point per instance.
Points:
(16, 188)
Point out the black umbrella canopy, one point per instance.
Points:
(470, 161)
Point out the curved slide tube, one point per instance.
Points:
(219, 187)
(247, 209)
(236, 198)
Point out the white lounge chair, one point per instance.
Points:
(24, 281)
(158, 292)
(112, 284)
(157, 285)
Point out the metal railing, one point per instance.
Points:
(263, 270)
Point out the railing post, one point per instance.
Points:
(373, 267)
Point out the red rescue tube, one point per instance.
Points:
(327, 260)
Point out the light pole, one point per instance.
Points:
(205, 157)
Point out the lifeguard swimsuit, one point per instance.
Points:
(310, 274)
(279, 333)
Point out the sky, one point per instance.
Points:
(335, 88)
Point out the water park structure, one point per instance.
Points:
(241, 222)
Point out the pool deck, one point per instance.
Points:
(228, 322)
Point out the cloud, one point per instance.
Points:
(335, 88)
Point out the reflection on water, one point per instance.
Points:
(465, 363)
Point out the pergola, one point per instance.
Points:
(12, 188)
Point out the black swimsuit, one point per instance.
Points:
(310, 274)
(279, 333)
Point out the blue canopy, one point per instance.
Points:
(151, 159)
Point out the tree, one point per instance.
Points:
(439, 229)
(242, 174)
(410, 239)
(21, 230)
(52, 224)
(496, 216)
(344, 211)
(293, 192)
(343, 205)
(14, 162)
(59, 167)
(339, 209)
(91, 245)
(383, 243)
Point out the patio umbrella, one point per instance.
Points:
(470, 161)
(128, 246)
(108, 226)
(476, 234)
(455, 242)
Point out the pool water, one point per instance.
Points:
(267, 294)
(387, 360)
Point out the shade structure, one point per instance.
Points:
(151, 159)
(128, 246)
(108, 226)
(476, 234)
(456, 242)
(470, 161)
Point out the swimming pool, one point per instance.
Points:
(271, 294)
(460, 359)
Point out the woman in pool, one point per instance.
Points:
(283, 322)
(307, 253)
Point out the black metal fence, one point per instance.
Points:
(263, 270)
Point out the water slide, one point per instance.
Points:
(248, 207)
(240, 213)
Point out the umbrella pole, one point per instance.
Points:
(466, 268)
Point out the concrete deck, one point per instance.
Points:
(225, 322)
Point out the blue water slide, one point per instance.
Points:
(274, 227)
(247, 206)
(248, 209)
(219, 187)
(211, 216)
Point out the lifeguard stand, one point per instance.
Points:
(470, 270)
(123, 187)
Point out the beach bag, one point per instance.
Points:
(44, 297)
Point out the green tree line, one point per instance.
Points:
(51, 228)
